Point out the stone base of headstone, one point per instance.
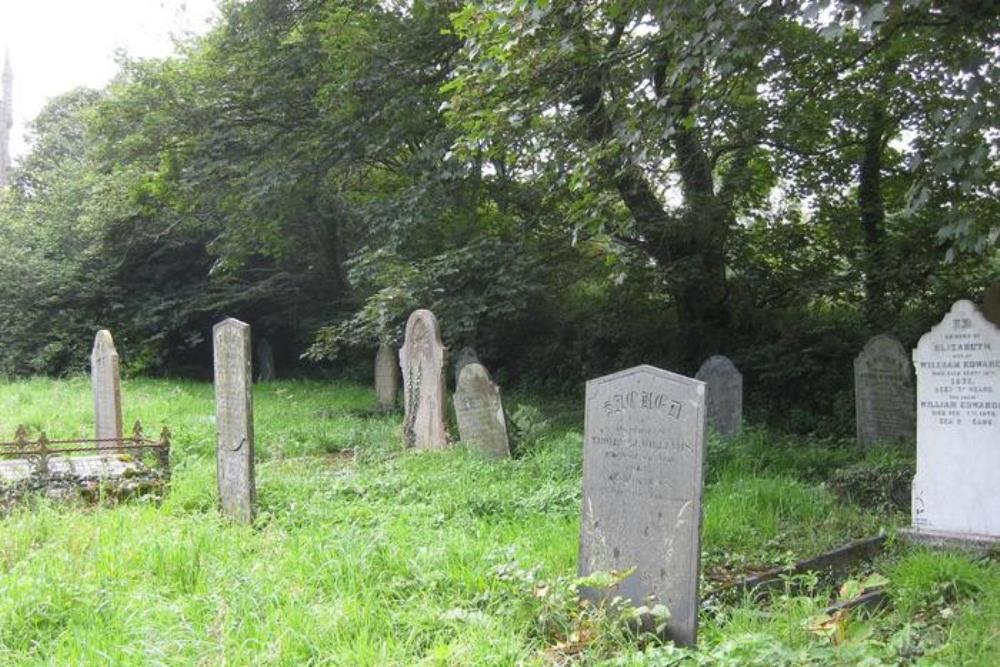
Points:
(942, 540)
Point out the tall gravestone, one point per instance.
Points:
(724, 394)
(465, 356)
(234, 419)
(421, 360)
(956, 490)
(884, 400)
(479, 410)
(386, 376)
(105, 380)
(265, 361)
(644, 435)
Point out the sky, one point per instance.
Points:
(58, 45)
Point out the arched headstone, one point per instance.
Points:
(421, 360)
(643, 452)
(884, 402)
(465, 356)
(956, 491)
(479, 410)
(724, 394)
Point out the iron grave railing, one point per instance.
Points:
(41, 450)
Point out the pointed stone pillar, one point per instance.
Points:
(105, 379)
(234, 419)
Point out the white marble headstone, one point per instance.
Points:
(956, 491)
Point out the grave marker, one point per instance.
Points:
(234, 419)
(105, 380)
(644, 435)
(421, 360)
(723, 394)
(386, 376)
(956, 490)
(884, 400)
(991, 302)
(265, 361)
(465, 356)
(479, 410)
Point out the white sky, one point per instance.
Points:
(57, 45)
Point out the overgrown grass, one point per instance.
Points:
(386, 557)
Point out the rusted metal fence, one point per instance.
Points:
(40, 450)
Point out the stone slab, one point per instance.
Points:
(479, 411)
(234, 419)
(265, 361)
(956, 489)
(724, 394)
(386, 377)
(884, 397)
(644, 435)
(945, 540)
(421, 362)
(98, 465)
(465, 356)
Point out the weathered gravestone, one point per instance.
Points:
(956, 490)
(386, 376)
(265, 361)
(234, 419)
(105, 379)
(421, 360)
(724, 394)
(991, 303)
(644, 435)
(465, 357)
(481, 422)
(884, 402)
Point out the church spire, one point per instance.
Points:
(6, 118)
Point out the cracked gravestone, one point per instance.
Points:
(234, 419)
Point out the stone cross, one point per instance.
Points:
(644, 437)
(386, 376)
(265, 361)
(105, 379)
(234, 419)
(884, 401)
(956, 491)
(724, 394)
(421, 360)
(465, 356)
(479, 410)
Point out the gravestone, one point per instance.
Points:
(644, 435)
(884, 400)
(105, 379)
(956, 490)
(991, 303)
(421, 360)
(724, 394)
(234, 419)
(465, 356)
(265, 361)
(386, 376)
(479, 410)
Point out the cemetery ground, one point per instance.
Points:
(367, 554)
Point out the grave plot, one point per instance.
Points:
(87, 468)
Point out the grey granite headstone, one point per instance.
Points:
(884, 400)
(724, 394)
(105, 379)
(386, 376)
(465, 356)
(956, 491)
(421, 360)
(991, 303)
(479, 410)
(265, 361)
(644, 435)
(234, 419)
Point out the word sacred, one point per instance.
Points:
(642, 400)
